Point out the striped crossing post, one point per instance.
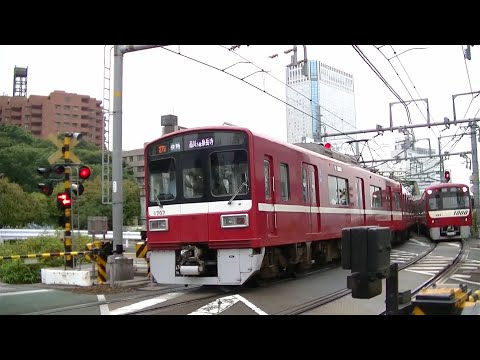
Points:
(141, 251)
(101, 261)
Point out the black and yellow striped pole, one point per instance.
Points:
(141, 251)
(44, 255)
(68, 207)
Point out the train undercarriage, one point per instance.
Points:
(197, 264)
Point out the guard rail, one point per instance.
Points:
(22, 234)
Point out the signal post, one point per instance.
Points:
(64, 199)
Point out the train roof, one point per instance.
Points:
(445, 185)
(326, 154)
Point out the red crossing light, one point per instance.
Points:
(46, 188)
(64, 200)
(84, 172)
(446, 175)
(327, 145)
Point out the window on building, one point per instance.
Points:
(139, 157)
(140, 168)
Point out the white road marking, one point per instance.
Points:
(425, 267)
(463, 276)
(251, 306)
(422, 272)
(25, 292)
(464, 280)
(144, 304)
(104, 309)
(222, 304)
(468, 267)
(416, 242)
(217, 306)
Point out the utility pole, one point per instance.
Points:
(117, 171)
(475, 187)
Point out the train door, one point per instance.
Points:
(389, 201)
(310, 198)
(269, 195)
(360, 202)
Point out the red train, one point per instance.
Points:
(224, 204)
(445, 211)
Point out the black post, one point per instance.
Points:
(392, 290)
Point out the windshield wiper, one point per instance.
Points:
(157, 199)
(238, 191)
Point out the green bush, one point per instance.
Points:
(16, 272)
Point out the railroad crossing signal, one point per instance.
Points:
(61, 150)
(446, 175)
(46, 188)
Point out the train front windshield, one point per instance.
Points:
(448, 198)
(198, 167)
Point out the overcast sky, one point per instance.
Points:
(161, 81)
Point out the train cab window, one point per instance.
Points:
(375, 196)
(228, 172)
(162, 184)
(193, 179)
(338, 190)
(284, 181)
(266, 173)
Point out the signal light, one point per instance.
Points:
(64, 200)
(446, 175)
(77, 189)
(58, 169)
(84, 172)
(46, 188)
(326, 145)
(46, 171)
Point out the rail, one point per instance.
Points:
(22, 234)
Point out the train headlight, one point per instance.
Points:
(230, 221)
(158, 225)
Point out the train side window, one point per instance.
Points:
(285, 181)
(266, 172)
(304, 184)
(375, 196)
(396, 200)
(338, 190)
(313, 196)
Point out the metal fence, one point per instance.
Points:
(22, 234)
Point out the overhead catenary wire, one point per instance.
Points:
(306, 97)
(411, 81)
(254, 86)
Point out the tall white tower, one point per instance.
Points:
(320, 100)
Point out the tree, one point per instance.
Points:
(14, 205)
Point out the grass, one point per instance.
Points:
(19, 272)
